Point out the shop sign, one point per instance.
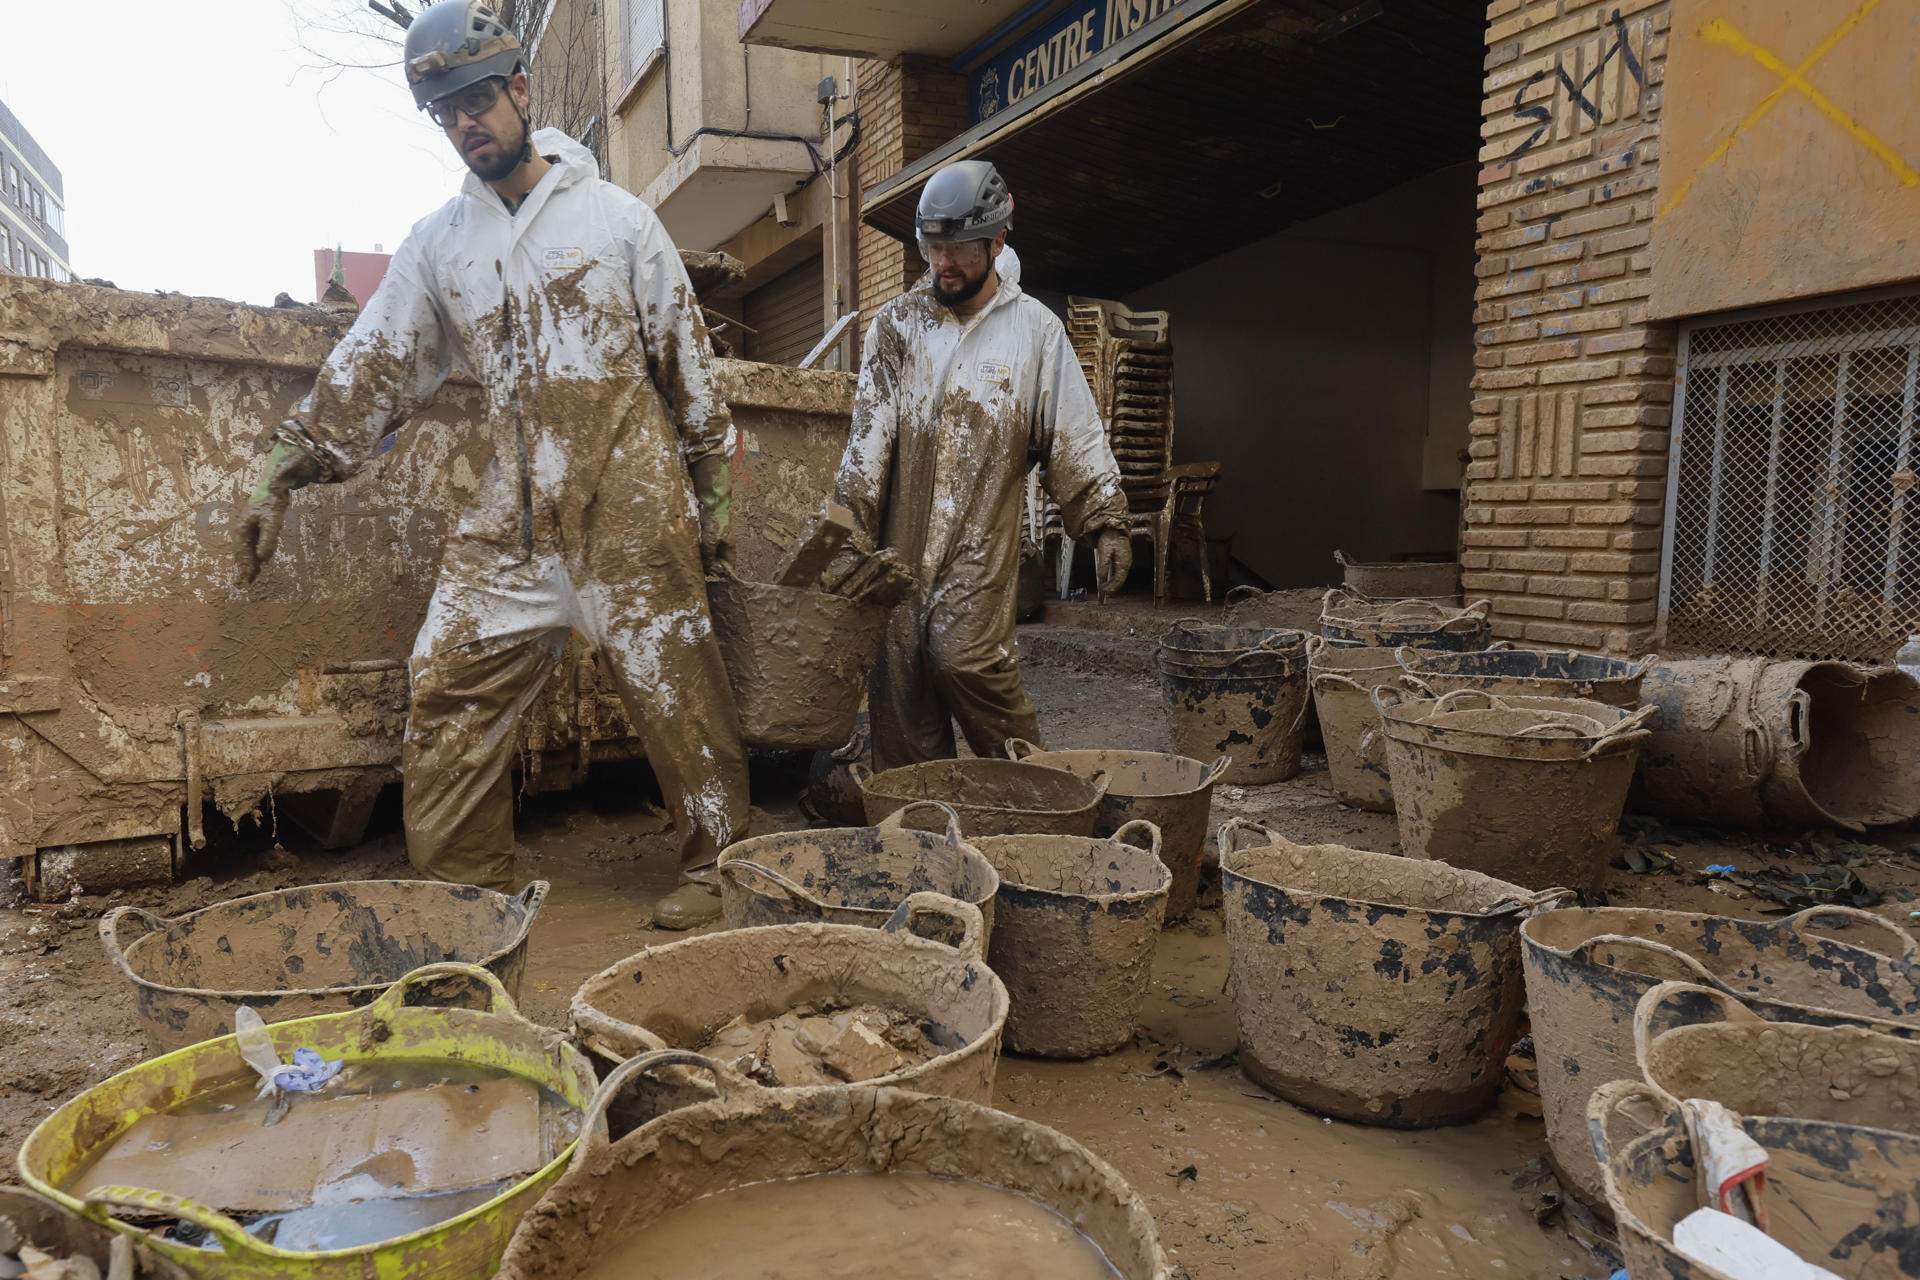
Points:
(1051, 51)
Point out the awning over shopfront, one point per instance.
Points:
(1212, 124)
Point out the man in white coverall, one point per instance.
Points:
(966, 382)
(609, 484)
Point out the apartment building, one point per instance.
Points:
(33, 206)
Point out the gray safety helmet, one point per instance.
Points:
(457, 43)
(968, 200)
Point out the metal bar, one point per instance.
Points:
(1675, 443)
(1828, 345)
(1897, 513)
(1718, 475)
(1767, 509)
(1826, 547)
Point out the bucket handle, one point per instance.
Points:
(1121, 835)
(938, 906)
(593, 1124)
(861, 773)
(1334, 680)
(1215, 771)
(1099, 780)
(1629, 733)
(1807, 921)
(394, 998)
(898, 818)
(1241, 594)
(232, 1236)
(530, 900)
(603, 1033)
(1340, 558)
(1232, 828)
(1584, 953)
(1607, 1107)
(1731, 1010)
(1019, 748)
(1385, 697)
(734, 868)
(110, 933)
(1533, 904)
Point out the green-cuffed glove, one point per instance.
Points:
(713, 485)
(257, 534)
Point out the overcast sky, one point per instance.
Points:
(201, 151)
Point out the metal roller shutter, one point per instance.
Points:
(787, 315)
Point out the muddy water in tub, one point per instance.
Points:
(860, 1226)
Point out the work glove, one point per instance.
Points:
(713, 486)
(1112, 561)
(257, 535)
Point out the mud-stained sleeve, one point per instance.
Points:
(388, 366)
(679, 352)
(861, 485)
(1080, 474)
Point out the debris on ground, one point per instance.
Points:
(823, 1045)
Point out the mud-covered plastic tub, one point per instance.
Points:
(1378, 989)
(1692, 1041)
(322, 948)
(1252, 709)
(1074, 936)
(853, 875)
(676, 996)
(391, 1029)
(1587, 970)
(992, 797)
(1435, 581)
(1343, 678)
(1525, 789)
(1839, 1196)
(1388, 624)
(1537, 673)
(797, 660)
(605, 1204)
(1194, 646)
(1751, 742)
(1174, 793)
(30, 1219)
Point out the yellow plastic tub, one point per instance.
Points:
(467, 1247)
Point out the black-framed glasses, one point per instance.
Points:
(475, 100)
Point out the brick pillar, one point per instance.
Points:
(1573, 391)
(907, 108)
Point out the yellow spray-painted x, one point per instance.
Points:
(1721, 32)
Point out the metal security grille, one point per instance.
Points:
(1796, 446)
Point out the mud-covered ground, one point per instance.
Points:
(1240, 1183)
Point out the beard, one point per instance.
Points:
(512, 152)
(965, 293)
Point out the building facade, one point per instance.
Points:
(740, 149)
(1618, 298)
(33, 206)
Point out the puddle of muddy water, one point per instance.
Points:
(858, 1227)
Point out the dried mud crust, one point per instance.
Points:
(1239, 1183)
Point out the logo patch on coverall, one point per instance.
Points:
(563, 259)
(996, 372)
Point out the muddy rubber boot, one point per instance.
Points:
(688, 907)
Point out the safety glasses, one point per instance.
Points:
(474, 101)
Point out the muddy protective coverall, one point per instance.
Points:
(577, 317)
(949, 417)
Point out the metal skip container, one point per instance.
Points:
(142, 685)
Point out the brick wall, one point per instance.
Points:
(1573, 388)
(907, 108)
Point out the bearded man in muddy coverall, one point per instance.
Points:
(966, 382)
(609, 485)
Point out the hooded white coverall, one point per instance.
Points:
(949, 417)
(576, 315)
